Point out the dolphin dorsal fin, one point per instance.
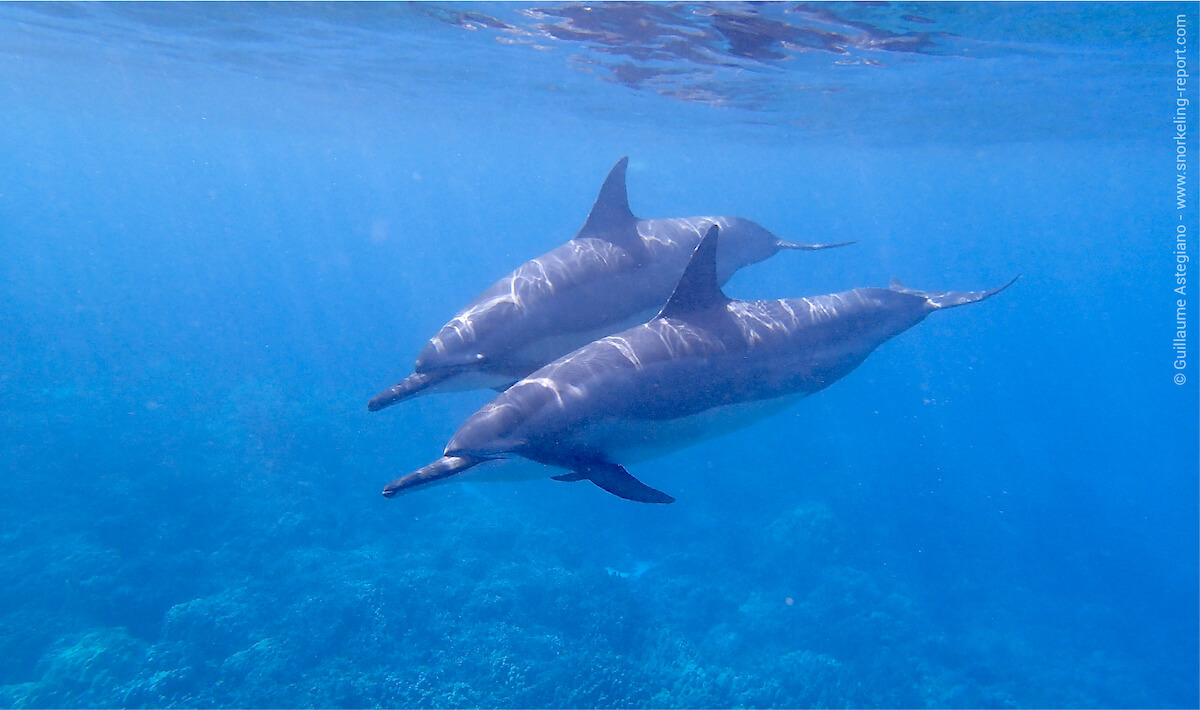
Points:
(698, 288)
(610, 218)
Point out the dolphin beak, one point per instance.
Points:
(410, 386)
(439, 470)
(812, 247)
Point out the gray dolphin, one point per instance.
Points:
(706, 364)
(615, 273)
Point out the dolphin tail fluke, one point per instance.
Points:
(410, 386)
(439, 470)
(616, 480)
(949, 299)
(812, 247)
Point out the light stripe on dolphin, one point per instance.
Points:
(615, 273)
(705, 364)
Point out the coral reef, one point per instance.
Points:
(240, 564)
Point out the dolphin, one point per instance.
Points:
(706, 364)
(615, 273)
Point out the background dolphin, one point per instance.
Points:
(615, 273)
(706, 364)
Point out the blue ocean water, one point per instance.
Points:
(226, 226)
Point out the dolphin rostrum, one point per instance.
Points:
(615, 273)
(706, 364)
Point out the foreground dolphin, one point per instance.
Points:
(706, 364)
(615, 273)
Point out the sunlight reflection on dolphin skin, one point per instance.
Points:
(625, 349)
(555, 387)
(682, 339)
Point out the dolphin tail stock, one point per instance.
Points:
(949, 299)
(410, 386)
(813, 247)
(616, 480)
(439, 470)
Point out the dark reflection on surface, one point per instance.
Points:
(680, 49)
(817, 66)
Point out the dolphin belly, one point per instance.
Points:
(507, 470)
(634, 440)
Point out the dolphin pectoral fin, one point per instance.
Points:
(813, 247)
(439, 470)
(410, 386)
(570, 477)
(616, 480)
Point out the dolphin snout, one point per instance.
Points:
(410, 386)
(439, 470)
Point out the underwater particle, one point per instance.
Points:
(379, 231)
